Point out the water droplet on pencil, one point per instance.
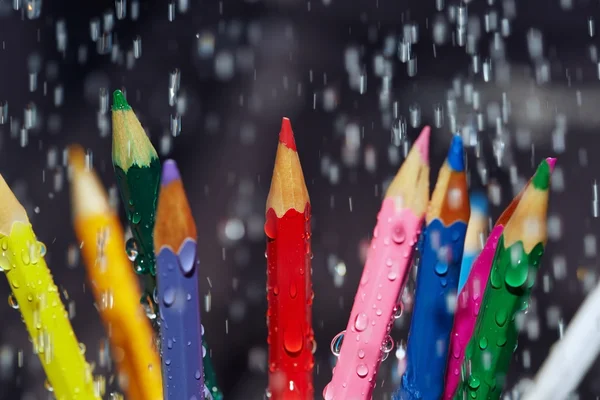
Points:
(398, 234)
(169, 297)
(42, 248)
(131, 248)
(136, 217)
(336, 343)
(392, 275)
(293, 340)
(12, 301)
(398, 310)
(187, 257)
(271, 226)
(388, 344)
(361, 322)
(293, 290)
(362, 370)
(197, 374)
(441, 268)
(25, 256)
(501, 317)
(167, 361)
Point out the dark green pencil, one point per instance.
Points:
(138, 178)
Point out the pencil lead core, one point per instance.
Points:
(286, 135)
(170, 172)
(541, 179)
(551, 162)
(422, 143)
(119, 101)
(456, 158)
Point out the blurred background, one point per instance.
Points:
(210, 82)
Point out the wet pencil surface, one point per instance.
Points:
(513, 274)
(289, 284)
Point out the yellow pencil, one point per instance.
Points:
(47, 321)
(114, 283)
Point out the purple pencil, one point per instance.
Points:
(178, 294)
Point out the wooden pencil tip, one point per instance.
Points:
(551, 162)
(422, 143)
(286, 135)
(170, 173)
(119, 101)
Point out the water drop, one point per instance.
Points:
(501, 317)
(441, 268)
(169, 297)
(399, 234)
(483, 343)
(361, 322)
(25, 256)
(12, 301)
(392, 275)
(361, 354)
(336, 343)
(197, 374)
(362, 370)
(293, 340)
(136, 217)
(516, 274)
(131, 248)
(293, 290)
(388, 344)
(398, 310)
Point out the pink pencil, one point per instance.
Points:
(384, 276)
(469, 298)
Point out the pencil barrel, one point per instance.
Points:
(433, 313)
(490, 349)
(467, 309)
(44, 314)
(290, 297)
(383, 278)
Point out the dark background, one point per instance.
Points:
(276, 58)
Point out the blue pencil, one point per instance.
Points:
(178, 295)
(437, 281)
(476, 235)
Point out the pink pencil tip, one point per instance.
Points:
(422, 143)
(551, 161)
(286, 135)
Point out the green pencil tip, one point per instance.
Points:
(541, 179)
(119, 101)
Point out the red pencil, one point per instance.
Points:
(289, 283)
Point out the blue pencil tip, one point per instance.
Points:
(479, 202)
(456, 158)
(170, 172)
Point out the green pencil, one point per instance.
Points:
(514, 269)
(138, 172)
(210, 377)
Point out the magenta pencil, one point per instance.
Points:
(388, 262)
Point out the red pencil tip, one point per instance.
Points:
(551, 162)
(286, 135)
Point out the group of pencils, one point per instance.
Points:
(470, 286)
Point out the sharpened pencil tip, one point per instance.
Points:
(170, 172)
(551, 162)
(541, 179)
(422, 143)
(456, 158)
(286, 135)
(119, 101)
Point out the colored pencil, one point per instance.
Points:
(178, 293)
(513, 273)
(289, 283)
(38, 299)
(210, 377)
(113, 282)
(137, 169)
(476, 235)
(572, 356)
(469, 299)
(437, 280)
(384, 276)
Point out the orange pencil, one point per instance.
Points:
(114, 283)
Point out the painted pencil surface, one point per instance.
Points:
(137, 169)
(572, 356)
(384, 276)
(178, 293)
(34, 290)
(113, 282)
(437, 281)
(513, 274)
(469, 299)
(289, 283)
(476, 235)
